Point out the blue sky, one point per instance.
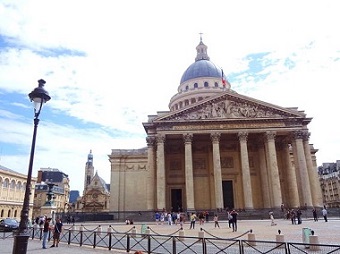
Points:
(110, 64)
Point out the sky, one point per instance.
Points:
(109, 64)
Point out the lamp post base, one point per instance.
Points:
(20, 243)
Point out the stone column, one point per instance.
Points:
(189, 176)
(150, 188)
(160, 173)
(264, 175)
(301, 160)
(215, 138)
(247, 189)
(292, 187)
(273, 170)
(312, 172)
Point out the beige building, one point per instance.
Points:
(60, 191)
(12, 193)
(96, 195)
(215, 149)
(329, 176)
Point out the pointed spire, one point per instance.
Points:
(201, 49)
(90, 158)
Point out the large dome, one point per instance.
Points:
(201, 68)
(201, 80)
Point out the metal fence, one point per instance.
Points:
(175, 243)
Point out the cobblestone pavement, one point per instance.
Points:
(328, 233)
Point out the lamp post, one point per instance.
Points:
(39, 96)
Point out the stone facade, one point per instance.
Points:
(216, 149)
(96, 195)
(12, 193)
(329, 176)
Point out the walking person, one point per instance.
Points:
(271, 216)
(315, 214)
(324, 213)
(216, 221)
(192, 221)
(46, 230)
(234, 220)
(58, 228)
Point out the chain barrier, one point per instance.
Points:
(234, 238)
(151, 230)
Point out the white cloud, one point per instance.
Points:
(110, 64)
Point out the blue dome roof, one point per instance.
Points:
(201, 68)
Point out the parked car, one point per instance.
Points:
(9, 224)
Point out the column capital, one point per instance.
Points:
(160, 138)
(306, 136)
(300, 134)
(242, 136)
(215, 137)
(188, 137)
(150, 141)
(270, 135)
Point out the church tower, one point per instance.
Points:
(89, 170)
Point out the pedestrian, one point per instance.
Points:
(230, 218)
(293, 216)
(324, 213)
(216, 221)
(315, 214)
(192, 220)
(234, 220)
(58, 228)
(46, 230)
(298, 215)
(271, 216)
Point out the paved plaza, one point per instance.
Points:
(328, 233)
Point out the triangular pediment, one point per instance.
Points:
(230, 105)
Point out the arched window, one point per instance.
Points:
(6, 183)
(216, 84)
(180, 104)
(15, 213)
(186, 88)
(186, 102)
(9, 213)
(2, 213)
(206, 84)
(193, 100)
(195, 85)
(12, 186)
(200, 98)
(19, 185)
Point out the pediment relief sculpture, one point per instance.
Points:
(228, 109)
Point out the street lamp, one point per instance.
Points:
(39, 96)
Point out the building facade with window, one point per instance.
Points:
(60, 188)
(329, 176)
(216, 148)
(12, 193)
